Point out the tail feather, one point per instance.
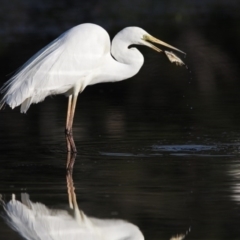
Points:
(2, 104)
(19, 90)
(25, 105)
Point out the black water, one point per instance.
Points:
(160, 150)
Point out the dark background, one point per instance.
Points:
(161, 149)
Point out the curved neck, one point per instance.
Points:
(122, 63)
(128, 60)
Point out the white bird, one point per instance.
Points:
(35, 221)
(80, 57)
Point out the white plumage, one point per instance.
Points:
(80, 57)
(59, 67)
(35, 221)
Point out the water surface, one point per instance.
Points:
(160, 150)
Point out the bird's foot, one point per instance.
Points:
(71, 147)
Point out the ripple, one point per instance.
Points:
(117, 154)
(179, 150)
(212, 150)
(187, 148)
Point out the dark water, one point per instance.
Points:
(153, 167)
(160, 150)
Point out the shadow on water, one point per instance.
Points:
(34, 220)
(164, 189)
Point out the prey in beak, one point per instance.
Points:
(148, 40)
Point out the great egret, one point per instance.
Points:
(80, 57)
(35, 221)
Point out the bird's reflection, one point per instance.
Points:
(234, 172)
(35, 221)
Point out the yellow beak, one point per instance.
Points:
(148, 38)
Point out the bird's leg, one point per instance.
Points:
(79, 215)
(69, 181)
(70, 161)
(67, 123)
(70, 186)
(70, 123)
(70, 115)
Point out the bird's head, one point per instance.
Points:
(130, 36)
(138, 36)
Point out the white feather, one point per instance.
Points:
(35, 221)
(56, 68)
(80, 57)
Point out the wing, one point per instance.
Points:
(59, 67)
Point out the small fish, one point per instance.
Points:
(173, 58)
